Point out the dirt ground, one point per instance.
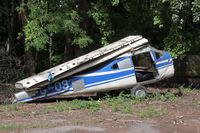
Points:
(182, 116)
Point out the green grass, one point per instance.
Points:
(41, 124)
(7, 108)
(122, 103)
(60, 109)
(25, 114)
(169, 96)
(36, 112)
(12, 107)
(11, 127)
(152, 112)
(81, 104)
(75, 122)
(99, 120)
(46, 111)
(51, 106)
(187, 89)
(56, 108)
(115, 108)
(127, 108)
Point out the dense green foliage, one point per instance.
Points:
(47, 18)
(54, 28)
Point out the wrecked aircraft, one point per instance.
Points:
(128, 63)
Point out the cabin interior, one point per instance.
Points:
(144, 67)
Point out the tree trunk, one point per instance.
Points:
(30, 63)
(29, 58)
(10, 6)
(83, 7)
(50, 50)
(68, 54)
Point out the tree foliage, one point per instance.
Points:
(100, 13)
(47, 18)
(180, 17)
(172, 25)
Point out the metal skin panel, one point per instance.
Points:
(78, 85)
(166, 72)
(101, 80)
(93, 58)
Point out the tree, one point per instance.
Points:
(47, 18)
(54, 28)
(183, 24)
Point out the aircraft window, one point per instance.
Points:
(115, 66)
(157, 55)
(126, 63)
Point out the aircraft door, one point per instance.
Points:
(163, 62)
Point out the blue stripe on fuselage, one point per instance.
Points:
(109, 81)
(44, 97)
(163, 64)
(99, 78)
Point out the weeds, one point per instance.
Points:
(46, 111)
(122, 98)
(11, 127)
(60, 109)
(169, 96)
(7, 108)
(152, 112)
(56, 108)
(36, 112)
(127, 108)
(122, 103)
(115, 108)
(25, 114)
(75, 122)
(80, 104)
(41, 124)
(12, 107)
(52, 107)
(99, 120)
(187, 89)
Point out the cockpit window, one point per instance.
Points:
(126, 63)
(158, 53)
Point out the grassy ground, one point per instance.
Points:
(155, 106)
